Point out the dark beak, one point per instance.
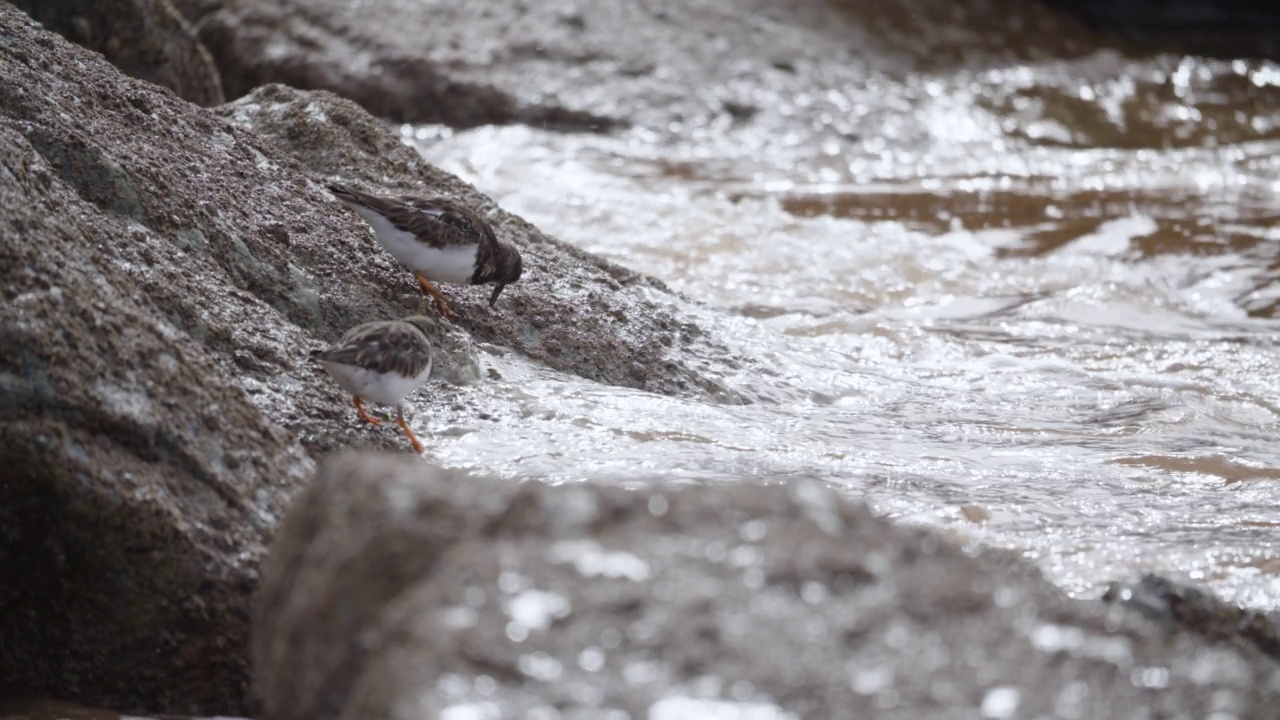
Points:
(496, 292)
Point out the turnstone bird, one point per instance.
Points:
(382, 361)
(437, 239)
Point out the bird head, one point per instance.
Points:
(510, 267)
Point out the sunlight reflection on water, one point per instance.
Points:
(1077, 371)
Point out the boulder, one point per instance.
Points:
(166, 273)
(142, 482)
(397, 590)
(796, 72)
(1196, 610)
(147, 39)
(571, 311)
(310, 45)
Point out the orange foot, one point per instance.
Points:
(435, 293)
(413, 440)
(366, 416)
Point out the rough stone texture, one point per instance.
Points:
(1198, 611)
(137, 494)
(667, 65)
(571, 311)
(147, 39)
(140, 484)
(398, 590)
(47, 709)
(166, 274)
(272, 42)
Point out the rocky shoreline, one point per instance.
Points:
(167, 269)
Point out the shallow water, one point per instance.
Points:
(1033, 327)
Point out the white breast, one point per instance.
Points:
(383, 388)
(452, 264)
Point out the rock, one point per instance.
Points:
(147, 39)
(165, 275)
(142, 482)
(45, 709)
(674, 67)
(571, 310)
(249, 41)
(138, 495)
(1198, 611)
(1246, 22)
(398, 590)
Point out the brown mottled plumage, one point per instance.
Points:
(439, 239)
(395, 346)
(444, 221)
(383, 362)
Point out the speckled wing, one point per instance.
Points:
(439, 222)
(383, 347)
(435, 221)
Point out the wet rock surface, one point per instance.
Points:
(571, 310)
(319, 47)
(140, 482)
(165, 275)
(593, 66)
(147, 39)
(46, 709)
(399, 590)
(166, 271)
(1198, 611)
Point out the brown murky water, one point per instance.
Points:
(1033, 306)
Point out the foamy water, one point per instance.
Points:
(1060, 348)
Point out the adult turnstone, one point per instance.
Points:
(382, 361)
(437, 239)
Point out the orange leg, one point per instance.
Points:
(366, 416)
(435, 293)
(413, 440)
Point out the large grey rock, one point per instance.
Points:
(396, 590)
(571, 310)
(140, 481)
(1196, 610)
(147, 39)
(165, 274)
(277, 42)
(667, 65)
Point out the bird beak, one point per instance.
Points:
(496, 292)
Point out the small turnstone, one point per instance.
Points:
(382, 361)
(438, 240)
